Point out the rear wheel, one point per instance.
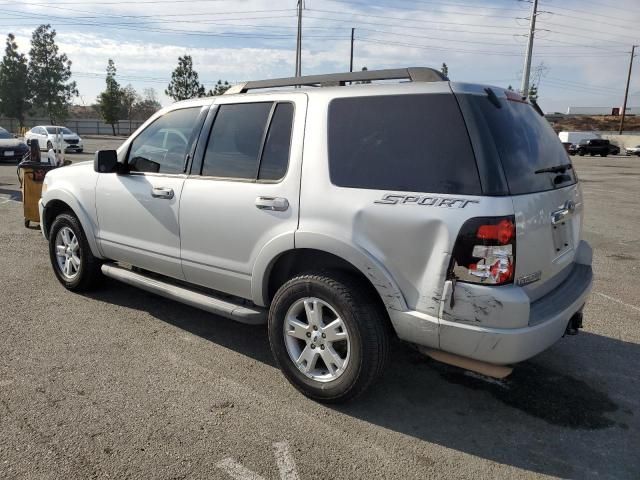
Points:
(328, 336)
(73, 263)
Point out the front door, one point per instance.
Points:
(138, 212)
(243, 192)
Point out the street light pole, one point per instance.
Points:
(299, 42)
(527, 59)
(351, 58)
(626, 90)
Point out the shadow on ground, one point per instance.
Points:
(551, 416)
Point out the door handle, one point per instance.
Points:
(275, 204)
(559, 215)
(162, 192)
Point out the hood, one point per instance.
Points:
(12, 142)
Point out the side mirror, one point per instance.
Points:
(106, 161)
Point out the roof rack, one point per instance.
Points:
(414, 74)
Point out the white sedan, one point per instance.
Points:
(633, 150)
(46, 137)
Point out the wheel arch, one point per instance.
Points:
(61, 202)
(320, 252)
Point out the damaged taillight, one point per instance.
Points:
(485, 251)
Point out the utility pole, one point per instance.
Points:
(299, 42)
(527, 59)
(626, 90)
(351, 61)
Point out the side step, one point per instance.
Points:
(224, 308)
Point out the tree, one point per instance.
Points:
(50, 74)
(444, 70)
(184, 81)
(510, 88)
(110, 101)
(14, 89)
(219, 88)
(147, 106)
(128, 99)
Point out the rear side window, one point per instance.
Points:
(275, 156)
(414, 143)
(524, 141)
(235, 140)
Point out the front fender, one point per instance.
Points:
(86, 217)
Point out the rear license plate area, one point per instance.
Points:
(561, 238)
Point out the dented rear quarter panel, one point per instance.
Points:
(407, 235)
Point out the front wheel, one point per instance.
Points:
(73, 263)
(328, 336)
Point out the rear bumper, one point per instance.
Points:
(548, 320)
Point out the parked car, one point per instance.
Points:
(594, 146)
(633, 150)
(45, 134)
(340, 216)
(11, 148)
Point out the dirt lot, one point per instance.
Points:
(124, 384)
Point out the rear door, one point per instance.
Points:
(243, 190)
(543, 186)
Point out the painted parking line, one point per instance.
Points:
(628, 305)
(284, 460)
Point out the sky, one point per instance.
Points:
(580, 58)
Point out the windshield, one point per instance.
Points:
(522, 139)
(63, 130)
(4, 134)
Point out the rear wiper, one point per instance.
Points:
(556, 169)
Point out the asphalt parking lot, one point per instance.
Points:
(123, 384)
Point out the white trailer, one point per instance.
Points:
(577, 137)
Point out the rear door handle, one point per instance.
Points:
(162, 192)
(275, 204)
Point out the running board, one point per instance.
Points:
(224, 308)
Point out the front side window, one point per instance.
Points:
(163, 146)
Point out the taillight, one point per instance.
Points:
(485, 251)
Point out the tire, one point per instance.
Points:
(603, 154)
(80, 150)
(49, 146)
(363, 351)
(83, 273)
(581, 154)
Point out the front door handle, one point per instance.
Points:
(275, 204)
(162, 192)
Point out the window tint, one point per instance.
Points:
(235, 140)
(415, 143)
(275, 156)
(163, 146)
(524, 140)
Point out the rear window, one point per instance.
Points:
(524, 141)
(414, 143)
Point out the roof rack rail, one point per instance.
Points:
(414, 74)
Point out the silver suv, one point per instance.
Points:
(445, 214)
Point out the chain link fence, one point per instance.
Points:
(81, 126)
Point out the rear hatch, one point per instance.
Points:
(516, 147)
